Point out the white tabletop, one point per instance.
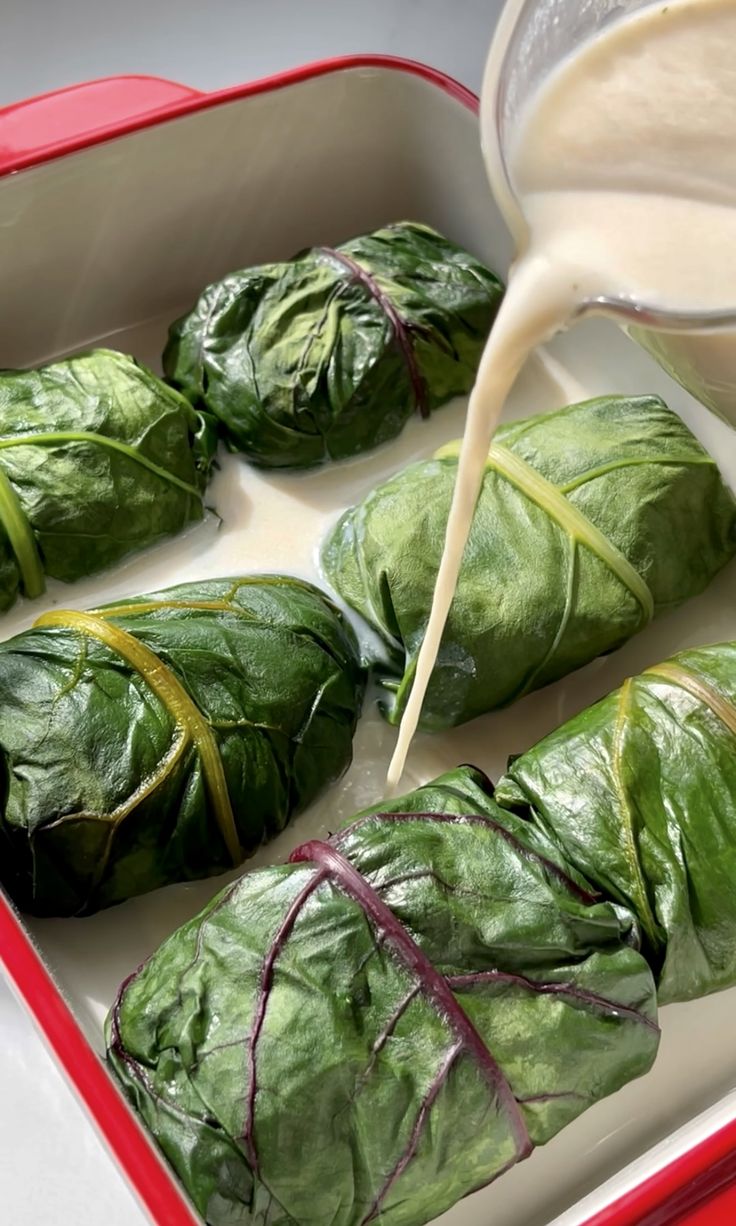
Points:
(53, 1167)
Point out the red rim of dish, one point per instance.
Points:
(698, 1187)
(46, 127)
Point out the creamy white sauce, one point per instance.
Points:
(624, 167)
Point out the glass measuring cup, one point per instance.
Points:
(532, 37)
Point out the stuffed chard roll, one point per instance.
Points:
(98, 458)
(351, 1037)
(164, 738)
(591, 521)
(294, 1049)
(640, 790)
(329, 354)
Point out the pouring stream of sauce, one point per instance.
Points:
(624, 165)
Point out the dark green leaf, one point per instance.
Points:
(330, 354)
(590, 521)
(386, 1023)
(165, 738)
(640, 790)
(98, 458)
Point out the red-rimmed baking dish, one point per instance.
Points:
(119, 200)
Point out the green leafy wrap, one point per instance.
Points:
(165, 738)
(98, 458)
(640, 790)
(386, 1023)
(330, 353)
(591, 521)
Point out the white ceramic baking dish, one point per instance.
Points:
(118, 202)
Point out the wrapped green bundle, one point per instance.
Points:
(591, 521)
(165, 738)
(640, 790)
(399, 1014)
(330, 353)
(386, 1023)
(98, 458)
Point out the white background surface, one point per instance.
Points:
(223, 42)
(53, 1169)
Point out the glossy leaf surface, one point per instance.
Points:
(329, 354)
(591, 520)
(98, 458)
(387, 1022)
(165, 738)
(640, 790)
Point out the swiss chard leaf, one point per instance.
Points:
(386, 1023)
(590, 521)
(98, 458)
(163, 739)
(640, 790)
(329, 354)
